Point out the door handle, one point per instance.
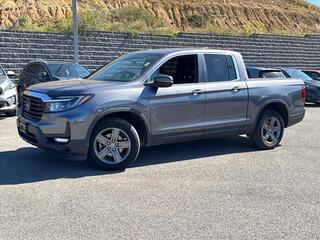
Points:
(236, 89)
(196, 92)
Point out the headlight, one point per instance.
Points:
(66, 103)
(9, 86)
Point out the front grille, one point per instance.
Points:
(32, 107)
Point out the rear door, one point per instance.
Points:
(226, 95)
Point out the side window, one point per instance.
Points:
(40, 68)
(183, 69)
(31, 69)
(232, 68)
(220, 68)
(35, 68)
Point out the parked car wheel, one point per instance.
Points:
(114, 144)
(269, 130)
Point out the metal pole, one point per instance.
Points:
(75, 31)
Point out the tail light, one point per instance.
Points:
(304, 92)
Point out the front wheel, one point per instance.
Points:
(269, 130)
(114, 144)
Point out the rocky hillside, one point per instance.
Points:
(213, 16)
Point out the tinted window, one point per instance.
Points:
(183, 69)
(127, 68)
(35, 68)
(232, 68)
(272, 74)
(252, 73)
(297, 74)
(313, 75)
(68, 70)
(220, 68)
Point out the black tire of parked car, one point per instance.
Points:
(128, 129)
(257, 136)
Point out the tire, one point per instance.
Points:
(107, 139)
(262, 136)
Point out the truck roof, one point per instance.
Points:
(168, 51)
(53, 61)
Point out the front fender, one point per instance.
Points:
(106, 112)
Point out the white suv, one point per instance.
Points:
(8, 93)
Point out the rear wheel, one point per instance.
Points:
(269, 130)
(114, 144)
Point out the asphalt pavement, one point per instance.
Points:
(212, 189)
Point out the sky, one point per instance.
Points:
(315, 2)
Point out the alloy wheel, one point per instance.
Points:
(112, 145)
(271, 131)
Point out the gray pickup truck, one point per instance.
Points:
(155, 97)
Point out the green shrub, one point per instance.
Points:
(216, 30)
(254, 27)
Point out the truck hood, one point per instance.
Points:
(71, 87)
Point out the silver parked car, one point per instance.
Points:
(8, 93)
(155, 97)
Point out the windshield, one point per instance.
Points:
(127, 68)
(68, 70)
(298, 74)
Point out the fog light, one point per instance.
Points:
(61, 140)
(12, 99)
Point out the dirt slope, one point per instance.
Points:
(185, 15)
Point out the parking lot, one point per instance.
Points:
(211, 189)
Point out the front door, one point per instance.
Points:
(177, 112)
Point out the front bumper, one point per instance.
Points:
(8, 101)
(71, 125)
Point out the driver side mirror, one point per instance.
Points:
(10, 74)
(162, 81)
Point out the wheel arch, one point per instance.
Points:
(278, 106)
(136, 119)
